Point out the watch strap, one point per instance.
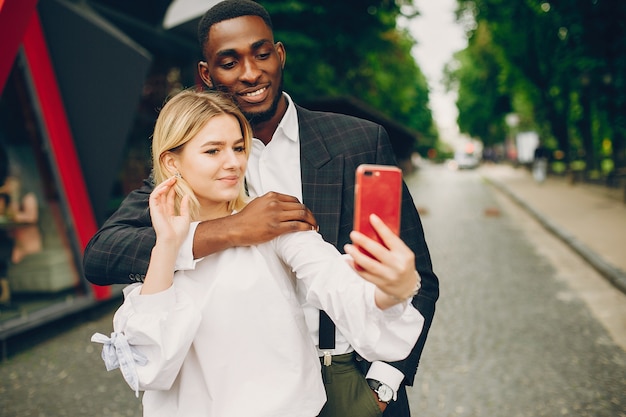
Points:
(375, 386)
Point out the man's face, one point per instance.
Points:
(243, 61)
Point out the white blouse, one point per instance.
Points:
(229, 337)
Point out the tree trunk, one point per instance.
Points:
(584, 126)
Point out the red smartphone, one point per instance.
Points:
(378, 190)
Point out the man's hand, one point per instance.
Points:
(272, 215)
(263, 219)
(381, 405)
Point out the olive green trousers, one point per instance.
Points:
(348, 394)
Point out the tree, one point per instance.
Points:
(482, 102)
(565, 59)
(354, 48)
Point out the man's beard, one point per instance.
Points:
(253, 118)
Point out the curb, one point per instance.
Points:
(614, 275)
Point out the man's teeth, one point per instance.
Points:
(256, 93)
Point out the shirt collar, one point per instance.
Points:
(288, 125)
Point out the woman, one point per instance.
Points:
(228, 338)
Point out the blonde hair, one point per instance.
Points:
(179, 121)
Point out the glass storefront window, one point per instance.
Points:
(40, 272)
(38, 267)
(103, 134)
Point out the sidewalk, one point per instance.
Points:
(591, 219)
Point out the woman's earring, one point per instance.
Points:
(178, 176)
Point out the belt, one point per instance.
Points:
(342, 359)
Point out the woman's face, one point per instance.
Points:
(214, 163)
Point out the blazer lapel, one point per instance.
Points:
(322, 177)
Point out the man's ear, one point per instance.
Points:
(203, 71)
(282, 54)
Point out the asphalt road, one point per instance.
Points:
(515, 334)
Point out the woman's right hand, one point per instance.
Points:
(171, 230)
(170, 227)
(391, 266)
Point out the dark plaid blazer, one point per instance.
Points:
(332, 146)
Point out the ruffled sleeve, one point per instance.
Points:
(151, 337)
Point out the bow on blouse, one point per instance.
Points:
(117, 353)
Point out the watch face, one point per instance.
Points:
(385, 393)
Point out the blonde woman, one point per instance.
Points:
(228, 337)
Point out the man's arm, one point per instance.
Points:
(119, 252)
(264, 218)
(412, 233)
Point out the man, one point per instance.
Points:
(540, 163)
(310, 155)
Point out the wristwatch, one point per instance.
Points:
(385, 392)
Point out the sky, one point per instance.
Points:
(438, 37)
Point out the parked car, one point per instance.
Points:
(464, 160)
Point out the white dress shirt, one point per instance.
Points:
(229, 339)
(276, 167)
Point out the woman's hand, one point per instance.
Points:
(170, 228)
(392, 268)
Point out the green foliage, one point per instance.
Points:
(561, 63)
(481, 101)
(338, 48)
